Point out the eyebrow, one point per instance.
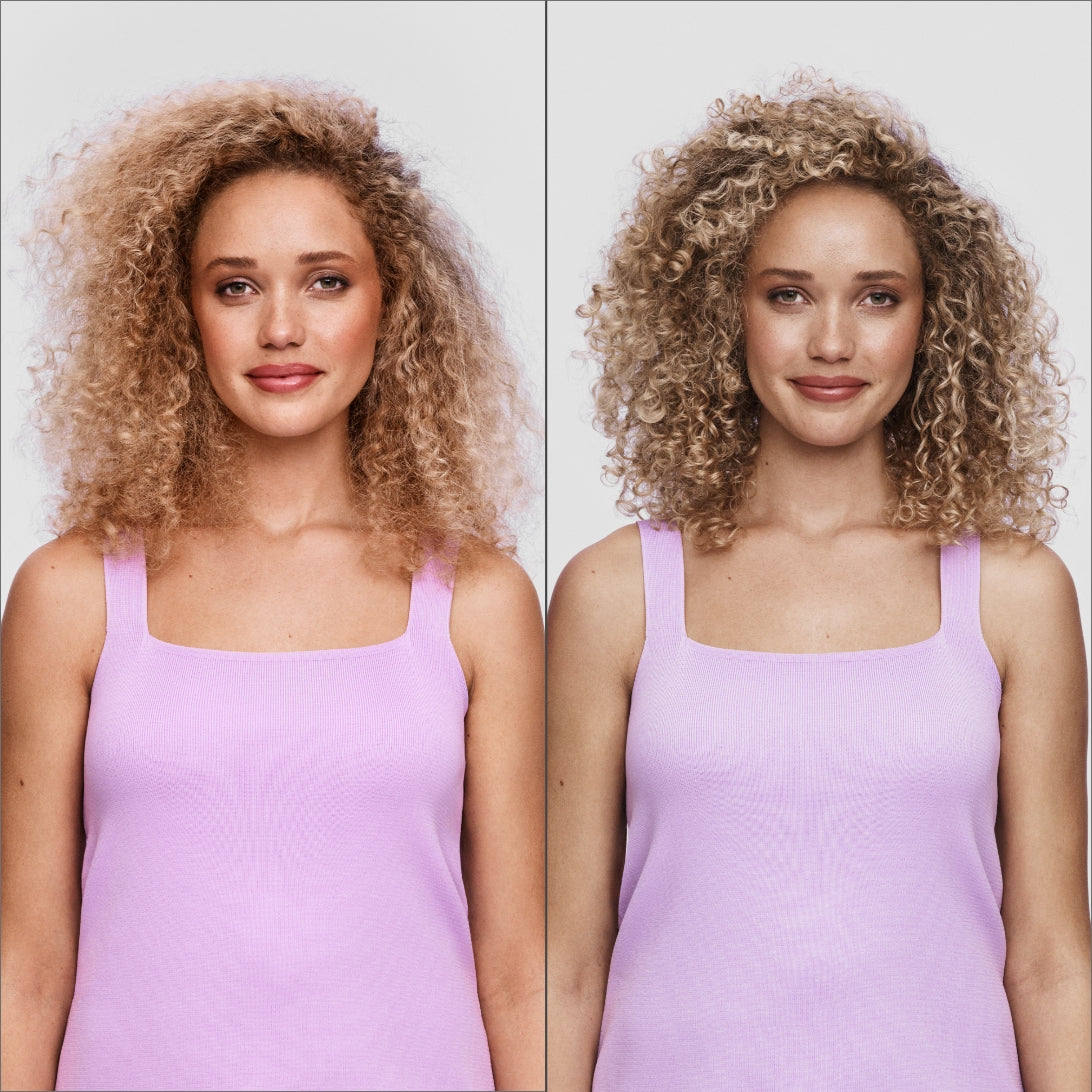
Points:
(312, 257)
(881, 275)
(791, 274)
(864, 275)
(232, 263)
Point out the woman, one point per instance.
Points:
(272, 699)
(807, 717)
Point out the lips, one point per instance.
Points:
(283, 378)
(828, 388)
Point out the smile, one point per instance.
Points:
(283, 378)
(828, 388)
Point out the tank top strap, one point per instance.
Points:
(126, 593)
(959, 587)
(662, 561)
(430, 598)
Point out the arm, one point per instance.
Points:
(496, 626)
(1031, 623)
(596, 633)
(53, 629)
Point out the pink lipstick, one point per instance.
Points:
(828, 388)
(283, 378)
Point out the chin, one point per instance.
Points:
(829, 438)
(830, 430)
(281, 429)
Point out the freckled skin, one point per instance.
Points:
(282, 274)
(323, 313)
(816, 316)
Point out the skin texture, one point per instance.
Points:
(284, 274)
(817, 569)
(295, 573)
(833, 289)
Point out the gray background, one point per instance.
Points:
(459, 85)
(1002, 89)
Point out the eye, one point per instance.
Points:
(881, 298)
(786, 295)
(330, 282)
(233, 288)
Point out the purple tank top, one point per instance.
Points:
(272, 888)
(811, 890)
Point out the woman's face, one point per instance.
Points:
(287, 299)
(832, 311)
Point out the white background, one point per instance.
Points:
(460, 86)
(1002, 89)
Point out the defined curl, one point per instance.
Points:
(971, 445)
(440, 433)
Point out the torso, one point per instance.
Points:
(286, 774)
(774, 591)
(810, 818)
(770, 591)
(242, 591)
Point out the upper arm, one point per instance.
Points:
(596, 633)
(1031, 622)
(497, 630)
(53, 630)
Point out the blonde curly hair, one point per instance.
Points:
(971, 444)
(130, 422)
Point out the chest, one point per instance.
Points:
(773, 593)
(300, 595)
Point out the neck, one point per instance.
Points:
(817, 491)
(298, 482)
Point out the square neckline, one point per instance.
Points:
(346, 651)
(936, 639)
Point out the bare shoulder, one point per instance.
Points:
(1024, 559)
(607, 574)
(495, 612)
(598, 602)
(1028, 601)
(56, 607)
(490, 584)
(67, 570)
(1022, 575)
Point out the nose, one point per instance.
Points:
(830, 338)
(281, 322)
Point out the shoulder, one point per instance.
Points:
(487, 581)
(56, 607)
(608, 573)
(66, 573)
(495, 612)
(1028, 600)
(1021, 574)
(598, 601)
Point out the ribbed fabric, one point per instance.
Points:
(272, 888)
(811, 891)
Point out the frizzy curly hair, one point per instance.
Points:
(439, 434)
(971, 445)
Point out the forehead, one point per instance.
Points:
(272, 207)
(831, 221)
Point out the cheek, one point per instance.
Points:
(219, 342)
(765, 344)
(355, 330)
(207, 334)
(901, 342)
